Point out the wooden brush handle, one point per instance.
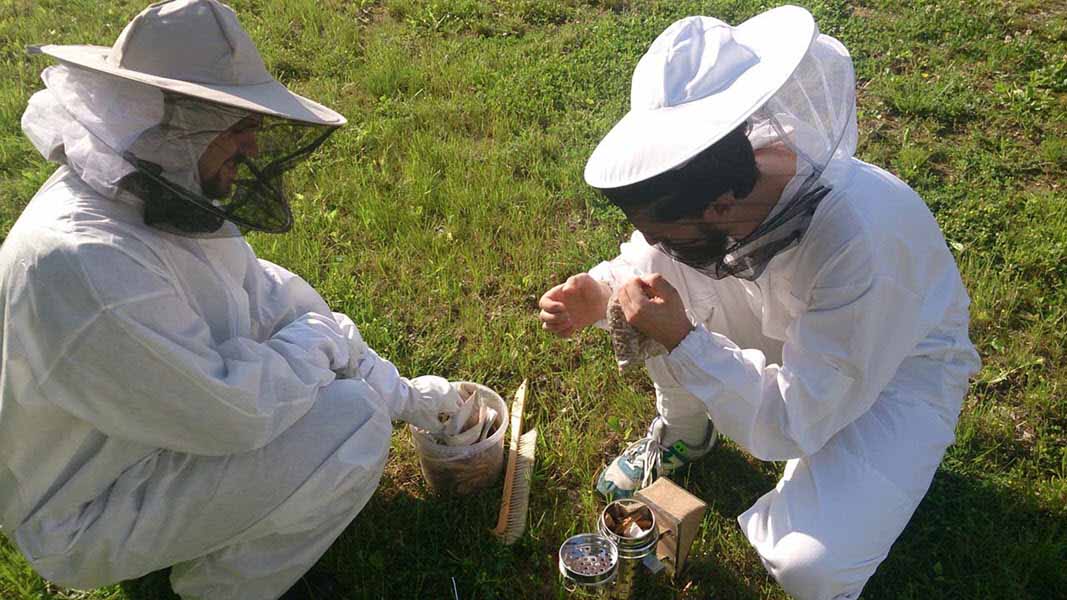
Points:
(516, 415)
(513, 455)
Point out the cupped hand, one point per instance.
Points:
(575, 304)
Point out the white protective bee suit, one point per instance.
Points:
(168, 400)
(848, 356)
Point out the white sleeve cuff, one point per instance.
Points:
(689, 363)
(603, 273)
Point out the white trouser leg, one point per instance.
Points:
(239, 526)
(685, 417)
(832, 518)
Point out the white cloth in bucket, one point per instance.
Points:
(472, 458)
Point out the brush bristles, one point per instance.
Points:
(519, 500)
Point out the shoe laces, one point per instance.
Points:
(649, 452)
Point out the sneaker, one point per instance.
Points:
(680, 454)
(646, 459)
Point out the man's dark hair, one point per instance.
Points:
(728, 165)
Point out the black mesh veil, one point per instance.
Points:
(746, 258)
(209, 170)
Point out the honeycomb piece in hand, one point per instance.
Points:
(630, 345)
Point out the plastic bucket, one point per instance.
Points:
(460, 470)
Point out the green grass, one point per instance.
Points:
(454, 199)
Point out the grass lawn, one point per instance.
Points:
(454, 198)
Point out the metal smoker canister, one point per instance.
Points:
(588, 563)
(637, 554)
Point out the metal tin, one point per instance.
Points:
(588, 560)
(637, 553)
(630, 547)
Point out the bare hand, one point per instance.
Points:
(655, 308)
(573, 305)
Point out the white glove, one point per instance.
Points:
(428, 402)
(357, 348)
(318, 337)
(461, 412)
(437, 404)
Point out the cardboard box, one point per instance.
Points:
(678, 518)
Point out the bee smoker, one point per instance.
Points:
(631, 525)
(636, 538)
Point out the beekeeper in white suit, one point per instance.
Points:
(808, 302)
(166, 399)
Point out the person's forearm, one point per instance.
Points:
(739, 390)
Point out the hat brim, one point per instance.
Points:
(645, 143)
(270, 98)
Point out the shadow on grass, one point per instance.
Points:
(971, 537)
(974, 538)
(408, 543)
(154, 586)
(729, 481)
(405, 545)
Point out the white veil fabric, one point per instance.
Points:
(814, 113)
(814, 116)
(90, 121)
(85, 120)
(140, 143)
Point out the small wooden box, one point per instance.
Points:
(678, 518)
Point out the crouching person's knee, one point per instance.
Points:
(74, 570)
(806, 570)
